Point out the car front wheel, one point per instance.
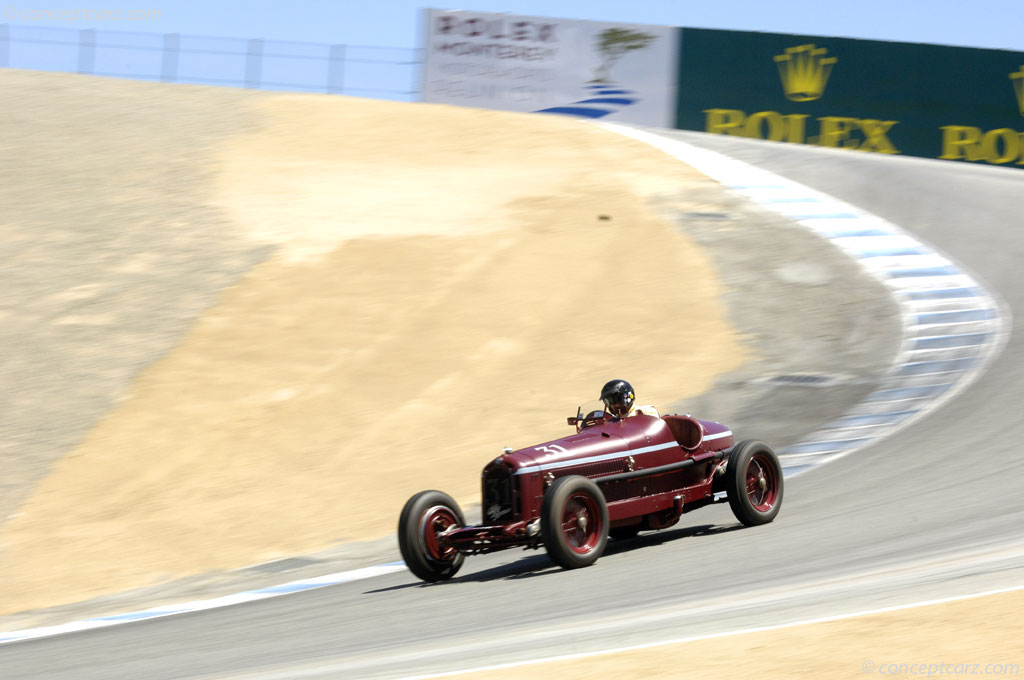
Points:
(424, 517)
(574, 522)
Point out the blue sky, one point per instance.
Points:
(979, 23)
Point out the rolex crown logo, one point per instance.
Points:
(1018, 85)
(804, 71)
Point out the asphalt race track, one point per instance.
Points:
(933, 511)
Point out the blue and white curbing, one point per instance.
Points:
(952, 328)
(952, 325)
(201, 605)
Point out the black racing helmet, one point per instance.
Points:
(618, 397)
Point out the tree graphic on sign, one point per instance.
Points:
(613, 44)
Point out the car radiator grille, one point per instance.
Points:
(499, 495)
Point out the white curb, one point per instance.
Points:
(953, 327)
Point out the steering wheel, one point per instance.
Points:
(592, 418)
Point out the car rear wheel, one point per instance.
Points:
(574, 522)
(754, 483)
(424, 517)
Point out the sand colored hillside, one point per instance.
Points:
(448, 282)
(968, 638)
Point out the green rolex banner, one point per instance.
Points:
(883, 97)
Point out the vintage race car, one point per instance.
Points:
(613, 477)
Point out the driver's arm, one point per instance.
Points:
(647, 410)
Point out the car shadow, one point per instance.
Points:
(527, 567)
(541, 565)
(667, 535)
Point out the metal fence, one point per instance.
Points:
(359, 70)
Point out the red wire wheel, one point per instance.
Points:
(754, 483)
(436, 520)
(574, 522)
(762, 483)
(581, 523)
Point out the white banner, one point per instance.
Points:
(589, 69)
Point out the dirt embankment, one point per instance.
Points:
(969, 638)
(442, 283)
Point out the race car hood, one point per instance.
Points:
(564, 452)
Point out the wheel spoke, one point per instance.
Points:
(436, 521)
(760, 484)
(579, 524)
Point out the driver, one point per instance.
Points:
(618, 397)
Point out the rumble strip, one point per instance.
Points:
(952, 325)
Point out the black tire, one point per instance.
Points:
(754, 483)
(570, 542)
(624, 533)
(419, 548)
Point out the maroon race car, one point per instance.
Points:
(613, 477)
